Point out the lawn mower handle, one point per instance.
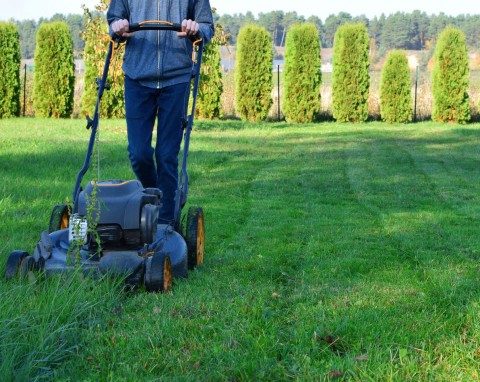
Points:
(149, 26)
(182, 191)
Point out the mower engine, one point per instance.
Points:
(124, 212)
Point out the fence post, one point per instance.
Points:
(415, 103)
(24, 87)
(278, 92)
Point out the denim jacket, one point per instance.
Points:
(160, 58)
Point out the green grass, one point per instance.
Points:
(333, 252)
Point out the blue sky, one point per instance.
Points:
(34, 9)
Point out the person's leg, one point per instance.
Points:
(141, 110)
(171, 113)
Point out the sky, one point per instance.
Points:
(34, 9)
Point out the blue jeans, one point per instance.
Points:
(168, 105)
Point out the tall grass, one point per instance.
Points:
(42, 324)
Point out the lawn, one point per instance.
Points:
(333, 252)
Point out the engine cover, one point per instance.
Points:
(124, 212)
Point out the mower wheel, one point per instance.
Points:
(195, 236)
(59, 219)
(28, 264)
(40, 264)
(14, 263)
(159, 278)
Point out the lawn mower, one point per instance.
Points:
(112, 228)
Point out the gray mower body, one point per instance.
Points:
(125, 216)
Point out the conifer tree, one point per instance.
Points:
(209, 101)
(9, 71)
(302, 74)
(350, 78)
(395, 94)
(450, 76)
(54, 76)
(253, 73)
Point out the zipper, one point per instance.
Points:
(158, 47)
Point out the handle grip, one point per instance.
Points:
(155, 25)
(149, 25)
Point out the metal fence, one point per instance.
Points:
(420, 80)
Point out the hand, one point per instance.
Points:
(189, 28)
(120, 28)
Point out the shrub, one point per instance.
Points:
(9, 71)
(302, 74)
(209, 101)
(54, 76)
(96, 38)
(450, 76)
(395, 96)
(209, 105)
(350, 78)
(253, 73)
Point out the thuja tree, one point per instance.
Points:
(9, 71)
(350, 78)
(395, 95)
(450, 77)
(209, 101)
(253, 73)
(302, 74)
(54, 76)
(97, 39)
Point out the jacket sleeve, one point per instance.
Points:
(118, 10)
(204, 17)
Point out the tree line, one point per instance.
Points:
(411, 31)
(54, 68)
(54, 72)
(27, 30)
(350, 76)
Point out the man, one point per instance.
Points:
(157, 67)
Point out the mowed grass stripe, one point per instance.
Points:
(408, 273)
